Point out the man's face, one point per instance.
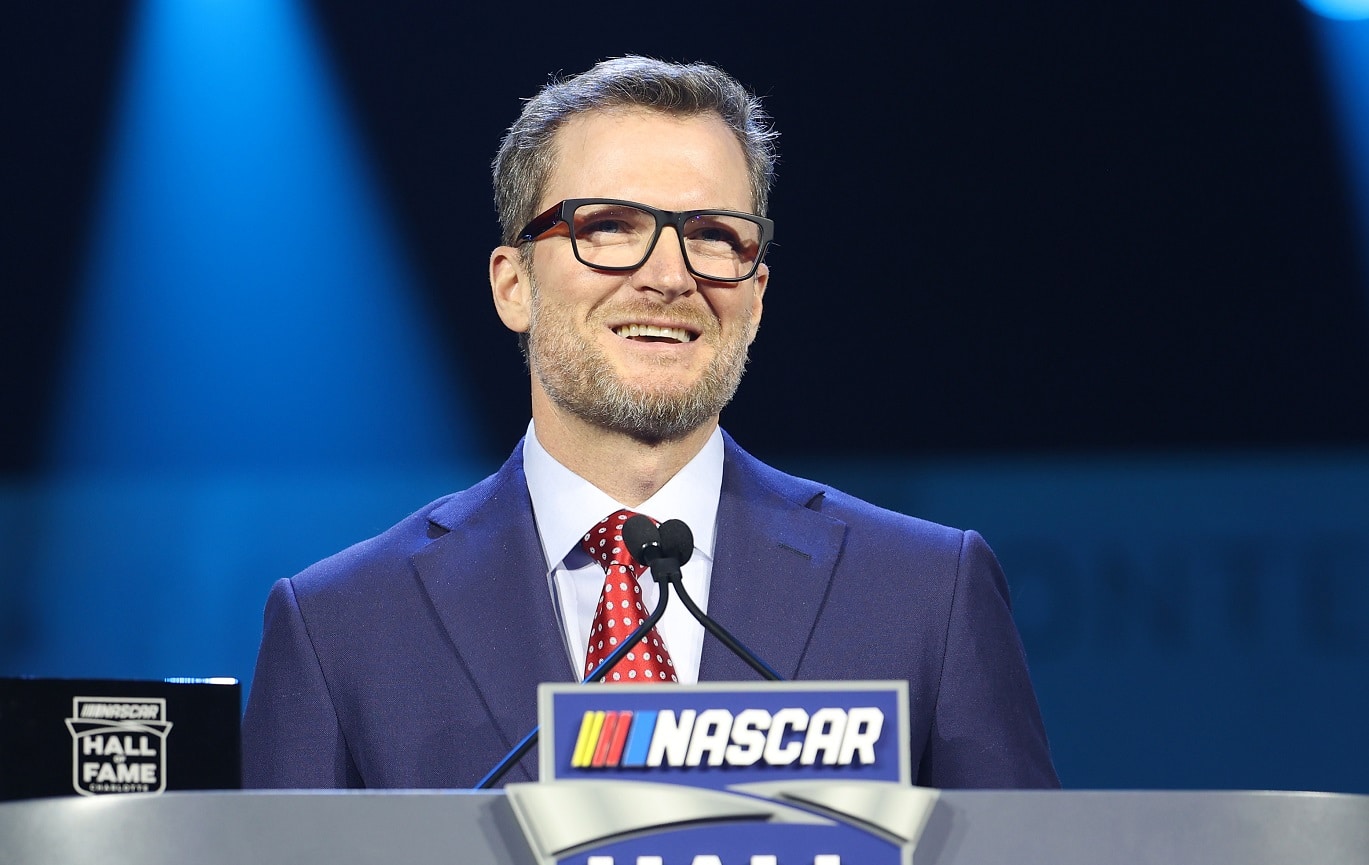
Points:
(584, 358)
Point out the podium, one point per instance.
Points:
(966, 827)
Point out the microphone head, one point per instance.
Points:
(642, 538)
(676, 540)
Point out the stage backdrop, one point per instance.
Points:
(1087, 277)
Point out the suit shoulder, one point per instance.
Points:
(372, 563)
(862, 518)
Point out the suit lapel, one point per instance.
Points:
(772, 566)
(486, 578)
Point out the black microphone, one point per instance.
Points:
(665, 550)
(677, 540)
(642, 538)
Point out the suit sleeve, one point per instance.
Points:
(987, 730)
(291, 736)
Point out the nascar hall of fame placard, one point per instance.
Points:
(118, 744)
(755, 774)
(60, 737)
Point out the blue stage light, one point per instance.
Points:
(1342, 10)
(252, 380)
(247, 303)
(1345, 61)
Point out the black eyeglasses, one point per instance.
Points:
(610, 234)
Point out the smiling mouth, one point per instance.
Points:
(652, 333)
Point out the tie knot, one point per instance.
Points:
(605, 542)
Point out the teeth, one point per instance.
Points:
(628, 331)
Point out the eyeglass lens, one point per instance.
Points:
(617, 235)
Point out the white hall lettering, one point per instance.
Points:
(106, 746)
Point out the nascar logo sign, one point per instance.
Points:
(831, 736)
(118, 744)
(723, 734)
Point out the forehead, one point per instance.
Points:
(672, 161)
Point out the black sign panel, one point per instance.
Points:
(93, 737)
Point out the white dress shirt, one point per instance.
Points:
(566, 506)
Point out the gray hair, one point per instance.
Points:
(526, 154)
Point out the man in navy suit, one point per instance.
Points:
(632, 201)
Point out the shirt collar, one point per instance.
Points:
(566, 505)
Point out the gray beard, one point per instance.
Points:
(578, 378)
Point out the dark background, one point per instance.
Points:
(1051, 227)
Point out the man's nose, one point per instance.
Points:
(665, 270)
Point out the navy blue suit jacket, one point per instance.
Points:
(412, 659)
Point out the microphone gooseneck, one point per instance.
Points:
(664, 549)
(640, 539)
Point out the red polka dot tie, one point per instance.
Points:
(620, 610)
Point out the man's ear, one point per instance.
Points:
(512, 288)
(762, 280)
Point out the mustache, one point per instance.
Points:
(700, 320)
